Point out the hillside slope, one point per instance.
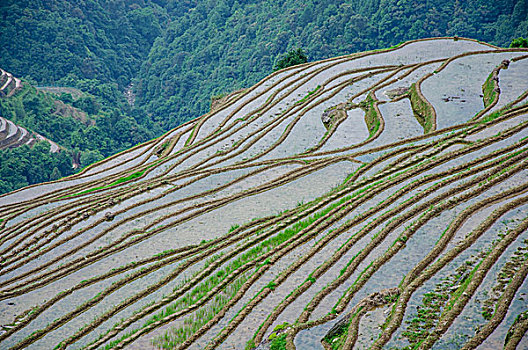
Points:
(148, 66)
(220, 46)
(383, 187)
(69, 120)
(53, 40)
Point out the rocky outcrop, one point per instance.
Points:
(397, 92)
(333, 116)
(373, 301)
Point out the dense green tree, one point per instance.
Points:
(89, 157)
(24, 166)
(113, 130)
(519, 42)
(55, 174)
(292, 58)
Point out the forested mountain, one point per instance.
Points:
(59, 41)
(220, 46)
(171, 57)
(95, 46)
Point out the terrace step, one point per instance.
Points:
(3, 77)
(8, 81)
(31, 142)
(3, 128)
(25, 136)
(9, 84)
(54, 147)
(12, 136)
(18, 85)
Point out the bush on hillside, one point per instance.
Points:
(519, 42)
(292, 58)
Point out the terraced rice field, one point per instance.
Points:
(9, 84)
(12, 135)
(370, 201)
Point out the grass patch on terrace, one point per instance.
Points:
(121, 180)
(372, 119)
(278, 343)
(305, 98)
(191, 135)
(116, 182)
(422, 110)
(488, 90)
(490, 117)
(461, 289)
(128, 178)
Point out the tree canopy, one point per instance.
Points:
(23, 166)
(519, 42)
(292, 58)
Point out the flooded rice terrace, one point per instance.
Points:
(376, 200)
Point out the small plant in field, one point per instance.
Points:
(234, 227)
(278, 343)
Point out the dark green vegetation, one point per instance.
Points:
(292, 58)
(423, 111)
(519, 42)
(91, 128)
(23, 166)
(278, 343)
(488, 92)
(372, 119)
(170, 57)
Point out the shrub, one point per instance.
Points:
(519, 42)
(292, 58)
